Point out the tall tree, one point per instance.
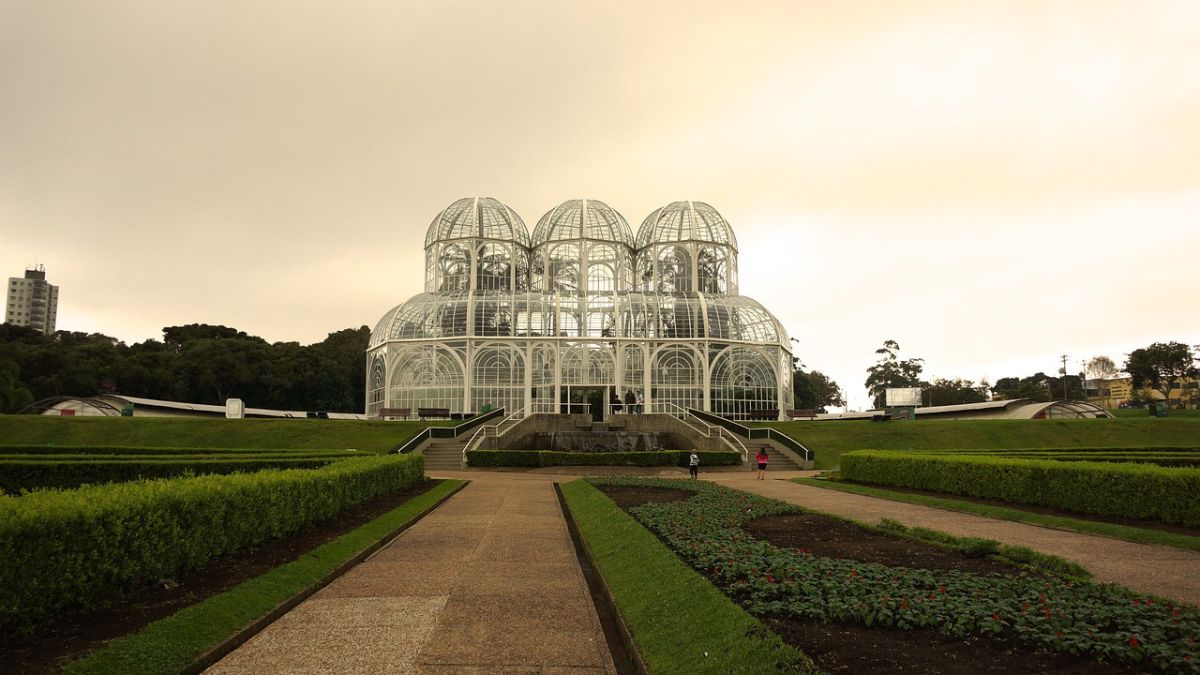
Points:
(889, 371)
(1101, 368)
(815, 390)
(1161, 366)
(943, 391)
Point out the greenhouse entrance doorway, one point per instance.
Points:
(586, 400)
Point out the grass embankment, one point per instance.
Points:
(362, 435)
(171, 644)
(680, 622)
(1127, 532)
(828, 440)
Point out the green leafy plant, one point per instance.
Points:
(1101, 621)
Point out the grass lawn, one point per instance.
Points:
(828, 440)
(171, 644)
(680, 622)
(1128, 533)
(1142, 412)
(185, 432)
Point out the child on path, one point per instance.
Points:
(694, 465)
(761, 458)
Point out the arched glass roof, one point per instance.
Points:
(685, 221)
(583, 219)
(481, 217)
(630, 315)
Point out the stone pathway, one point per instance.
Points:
(1159, 570)
(488, 582)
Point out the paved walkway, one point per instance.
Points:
(488, 582)
(1160, 570)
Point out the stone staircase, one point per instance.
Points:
(444, 454)
(778, 459)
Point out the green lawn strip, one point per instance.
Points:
(675, 615)
(829, 439)
(172, 643)
(1126, 532)
(364, 435)
(61, 452)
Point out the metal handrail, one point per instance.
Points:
(729, 438)
(492, 430)
(444, 432)
(756, 432)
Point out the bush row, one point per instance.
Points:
(18, 475)
(75, 548)
(1130, 450)
(552, 458)
(1131, 490)
(142, 450)
(1169, 459)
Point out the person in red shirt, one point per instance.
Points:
(761, 458)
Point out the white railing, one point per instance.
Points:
(493, 430)
(709, 430)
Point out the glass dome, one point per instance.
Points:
(685, 221)
(477, 217)
(583, 219)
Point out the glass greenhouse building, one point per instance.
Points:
(579, 312)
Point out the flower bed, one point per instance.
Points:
(1102, 622)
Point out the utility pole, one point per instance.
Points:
(1064, 375)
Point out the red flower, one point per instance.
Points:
(942, 588)
(995, 616)
(853, 573)
(1133, 641)
(903, 603)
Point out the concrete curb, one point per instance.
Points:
(611, 621)
(225, 647)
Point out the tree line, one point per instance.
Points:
(197, 363)
(1161, 367)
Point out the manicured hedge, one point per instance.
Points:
(1126, 449)
(1130, 490)
(18, 474)
(551, 458)
(70, 549)
(145, 450)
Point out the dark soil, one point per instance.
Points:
(835, 538)
(863, 650)
(849, 648)
(1046, 510)
(628, 497)
(72, 636)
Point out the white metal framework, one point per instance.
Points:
(581, 306)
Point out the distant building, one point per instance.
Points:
(32, 301)
(1116, 392)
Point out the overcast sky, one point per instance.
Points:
(992, 184)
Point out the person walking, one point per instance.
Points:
(694, 465)
(638, 400)
(630, 402)
(761, 458)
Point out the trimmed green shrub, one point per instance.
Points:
(552, 458)
(100, 450)
(18, 475)
(1130, 490)
(73, 549)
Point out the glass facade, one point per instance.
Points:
(511, 320)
